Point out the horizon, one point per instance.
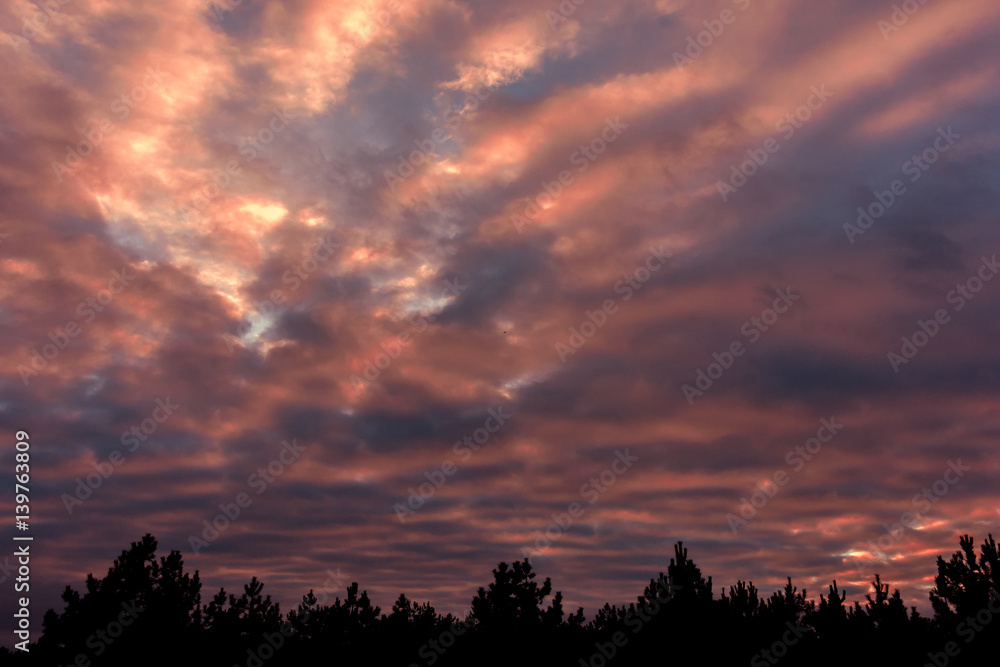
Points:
(335, 583)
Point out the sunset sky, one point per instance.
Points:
(629, 255)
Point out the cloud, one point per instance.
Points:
(272, 128)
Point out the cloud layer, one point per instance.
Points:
(686, 237)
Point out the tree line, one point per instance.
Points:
(150, 611)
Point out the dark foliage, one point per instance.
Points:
(148, 611)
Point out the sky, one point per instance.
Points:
(407, 289)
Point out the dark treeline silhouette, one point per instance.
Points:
(148, 611)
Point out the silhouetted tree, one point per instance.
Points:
(962, 585)
(513, 601)
(161, 620)
(146, 598)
